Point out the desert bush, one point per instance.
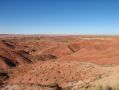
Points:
(101, 87)
(67, 88)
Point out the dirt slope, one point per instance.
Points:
(64, 61)
(55, 72)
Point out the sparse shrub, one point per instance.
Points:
(109, 88)
(67, 88)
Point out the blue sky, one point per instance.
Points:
(59, 16)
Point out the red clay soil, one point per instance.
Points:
(99, 51)
(20, 50)
(49, 72)
(55, 59)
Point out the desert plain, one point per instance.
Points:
(59, 62)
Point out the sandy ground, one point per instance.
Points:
(59, 63)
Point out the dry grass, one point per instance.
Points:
(107, 82)
(102, 87)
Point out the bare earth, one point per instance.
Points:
(47, 62)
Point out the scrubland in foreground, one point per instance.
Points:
(59, 62)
